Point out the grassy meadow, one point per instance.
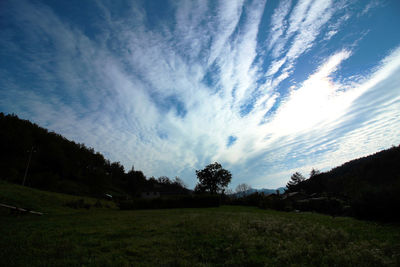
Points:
(228, 235)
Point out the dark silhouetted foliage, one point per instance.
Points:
(57, 164)
(245, 200)
(314, 172)
(295, 179)
(370, 186)
(213, 179)
(367, 188)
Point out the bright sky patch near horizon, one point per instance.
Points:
(266, 88)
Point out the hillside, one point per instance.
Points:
(46, 202)
(31, 155)
(371, 185)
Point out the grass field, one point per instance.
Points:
(233, 236)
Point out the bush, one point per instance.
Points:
(331, 206)
(377, 205)
(276, 203)
(249, 200)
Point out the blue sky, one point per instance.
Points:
(266, 88)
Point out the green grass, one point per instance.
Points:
(42, 201)
(233, 236)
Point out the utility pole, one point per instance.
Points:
(27, 166)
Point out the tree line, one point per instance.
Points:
(33, 156)
(366, 188)
(370, 186)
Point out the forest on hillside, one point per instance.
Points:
(369, 185)
(366, 188)
(33, 156)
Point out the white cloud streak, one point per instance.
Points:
(139, 94)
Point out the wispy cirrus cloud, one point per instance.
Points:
(170, 93)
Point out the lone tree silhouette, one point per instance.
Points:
(213, 179)
(314, 172)
(241, 189)
(295, 179)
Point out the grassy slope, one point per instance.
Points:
(38, 200)
(196, 237)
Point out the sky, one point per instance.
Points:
(266, 88)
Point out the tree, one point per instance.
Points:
(242, 188)
(228, 192)
(213, 179)
(116, 172)
(314, 172)
(164, 180)
(295, 179)
(179, 182)
(136, 181)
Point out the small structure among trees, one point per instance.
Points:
(213, 179)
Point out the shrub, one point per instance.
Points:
(247, 200)
(332, 206)
(276, 203)
(377, 205)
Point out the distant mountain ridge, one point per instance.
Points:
(266, 191)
